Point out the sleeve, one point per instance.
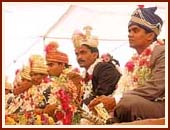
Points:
(155, 87)
(105, 78)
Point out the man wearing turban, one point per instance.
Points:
(143, 94)
(59, 71)
(25, 83)
(100, 77)
(57, 61)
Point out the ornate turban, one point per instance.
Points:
(53, 55)
(37, 64)
(147, 19)
(79, 38)
(25, 73)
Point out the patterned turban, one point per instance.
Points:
(37, 64)
(25, 73)
(53, 55)
(147, 19)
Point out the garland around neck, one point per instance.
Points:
(87, 87)
(137, 70)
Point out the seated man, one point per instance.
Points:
(57, 63)
(62, 77)
(38, 74)
(21, 86)
(25, 82)
(143, 83)
(100, 77)
(8, 93)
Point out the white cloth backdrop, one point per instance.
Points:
(27, 27)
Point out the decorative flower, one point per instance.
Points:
(130, 66)
(76, 70)
(77, 32)
(47, 79)
(17, 71)
(51, 47)
(65, 114)
(107, 57)
(59, 115)
(147, 52)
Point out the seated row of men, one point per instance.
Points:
(137, 93)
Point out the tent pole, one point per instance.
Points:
(44, 41)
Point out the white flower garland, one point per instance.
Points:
(88, 86)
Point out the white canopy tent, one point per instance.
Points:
(109, 21)
(27, 27)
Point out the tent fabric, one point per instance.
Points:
(27, 27)
(107, 24)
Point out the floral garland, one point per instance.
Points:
(87, 86)
(29, 100)
(29, 118)
(64, 115)
(61, 96)
(137, 70)
(63, 93)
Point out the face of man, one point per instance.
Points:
(26, 83)
(55, 69)
(85, 57)
(36, 78)
(7, 91)
(139, 38)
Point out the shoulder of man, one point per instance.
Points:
(159, 48)
(158, 51)
(101, 65)
(106, 67)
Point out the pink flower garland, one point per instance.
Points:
(67, 114)
(137, 70)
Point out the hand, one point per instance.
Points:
(109, 102)
(38, 111)
(50, 109)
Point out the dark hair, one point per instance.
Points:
(92, 49)
(65, 64)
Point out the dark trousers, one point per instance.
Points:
(133, 107)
